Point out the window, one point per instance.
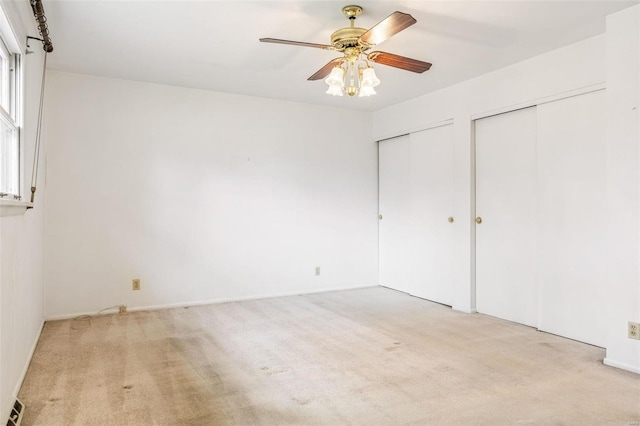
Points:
(9, 128)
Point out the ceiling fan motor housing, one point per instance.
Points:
(346, 37)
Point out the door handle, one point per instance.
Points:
(478, 220)
(450, 219)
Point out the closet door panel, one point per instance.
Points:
(572, 217)
(506, 203)
(431, 243)
(394, 208)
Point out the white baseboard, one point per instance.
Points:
(621, 365)
(212, 301)
(23, 373)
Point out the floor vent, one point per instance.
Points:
(16, 414)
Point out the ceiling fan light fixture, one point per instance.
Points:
(352, 77)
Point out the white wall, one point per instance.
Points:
(610, 58)
(623, 186)
(204, 196)
(21, 279)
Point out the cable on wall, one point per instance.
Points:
(36, 149)
(41, 19)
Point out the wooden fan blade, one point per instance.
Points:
(386, 28)
(326, 70)
(398, 61)
(297, 43)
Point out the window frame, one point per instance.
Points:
(8, 110)
(11, 107)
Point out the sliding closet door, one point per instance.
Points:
(431, 188)
(506, 208)
(572, 213)
(395, 217)
(416, 202)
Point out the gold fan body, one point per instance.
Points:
(346, 37)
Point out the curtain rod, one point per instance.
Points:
(38, 12)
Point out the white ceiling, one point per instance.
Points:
(214, 44)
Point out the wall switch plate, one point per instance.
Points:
(317, 270)
(136, 284)
(634, 330)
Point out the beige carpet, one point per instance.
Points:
(367, 357)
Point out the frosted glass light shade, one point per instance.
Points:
(366, 91)
(335, 78)
(369, 78)
(334, 90)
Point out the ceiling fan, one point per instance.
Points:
(351, 73)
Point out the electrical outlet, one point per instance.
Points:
(136, 284)
(317, 270)
(634, 330)
(123, 309)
